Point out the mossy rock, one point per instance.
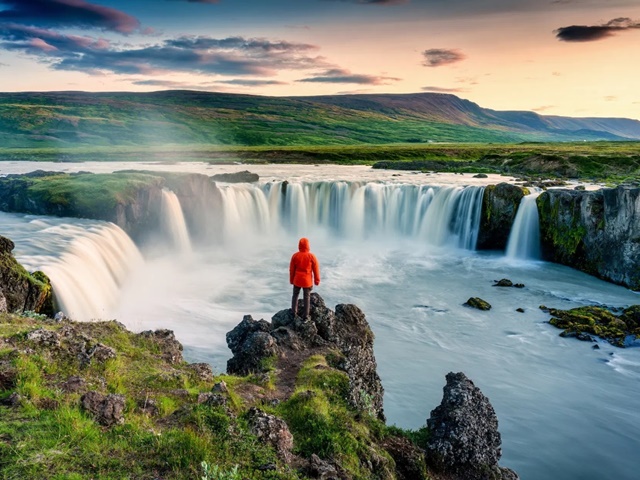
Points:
(477, 302)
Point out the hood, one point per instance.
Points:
(303, 245)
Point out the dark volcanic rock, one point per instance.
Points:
(321, 469)
(464, 441)
(272, 431)
(597, 232)
(477, 302)
(237, 177)
(19, 290)
(107, 411)
(409, 459)
(499, 206)
(166, 340)
(345, 331)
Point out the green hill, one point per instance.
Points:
(62, 119)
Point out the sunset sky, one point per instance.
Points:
(555, 57)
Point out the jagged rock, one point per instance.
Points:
(74, 384)
(273, 431)
(14, 400)
(101, 353)
(236, 177)
(464, 441)
(596, 232)
(107, 411)
(202, 371)
(481, 175)
(477, 302)
(166, 340)
(583, 322)
(214, 399)
(21, 290)
(499, 206)
(60, 317)
(44, 338)
(505, 282)
(321, 469)
(409, 459)
(345, 331)
(520, 310)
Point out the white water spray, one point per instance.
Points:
(173, 222)
(87, 278)
(524, 240)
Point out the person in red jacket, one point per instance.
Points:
(304, 272)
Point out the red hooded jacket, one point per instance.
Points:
(304, 269)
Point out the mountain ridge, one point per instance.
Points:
(67, 118)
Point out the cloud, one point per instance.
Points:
(543, 108)
(252, 82)
(437, 57)
(67, 13)
(585, 33)
(443, 90)
(235, 56)
(341, 75)
(610, 98)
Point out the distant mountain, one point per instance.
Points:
(53, 119)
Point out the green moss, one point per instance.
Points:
(596, 321)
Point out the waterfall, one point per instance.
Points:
(524, 240)
(87, 278)
(440, 216)
(172, 221)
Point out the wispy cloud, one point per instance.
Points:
(443, 90)
(591, 33)
(437, 57)
(205, 55)
(252, 82)
(340, 75)
(67, 13)
(543, 108)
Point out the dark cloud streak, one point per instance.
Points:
(340, 75)
(587, 33)
(67, 13)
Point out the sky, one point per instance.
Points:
(556, 57)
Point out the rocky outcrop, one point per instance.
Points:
(272, 431)
(478, 303)
(464, 442)
(597, 232)
(19, 290)
(345, 331)
(130, 199)
(107, 410)
(236, 177)
(499, 206)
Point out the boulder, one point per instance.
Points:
(477, 302)
(107, 410)
(254, 342)
(464, 441)
(273, 431)
(409, 459)
(171, 349)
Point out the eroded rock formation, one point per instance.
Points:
(499, 206)
(346, 331)
(597, 232)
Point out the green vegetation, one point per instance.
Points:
(582, 321)
(173, 426)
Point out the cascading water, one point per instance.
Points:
(524, 240)
(437, 215)
(87, 278)
(173, 223)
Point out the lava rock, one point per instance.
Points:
(202, 371)
(520, 310)
(236, 177)
(107, 410)
(321, 469)
(409, 459)
(166, 340)
(273, 431)
(464, 440)
(476, 302)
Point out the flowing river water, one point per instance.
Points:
(401, 249)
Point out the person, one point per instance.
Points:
(304, 272)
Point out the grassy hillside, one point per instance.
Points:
(61, 119)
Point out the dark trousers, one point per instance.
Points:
(306, 295)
